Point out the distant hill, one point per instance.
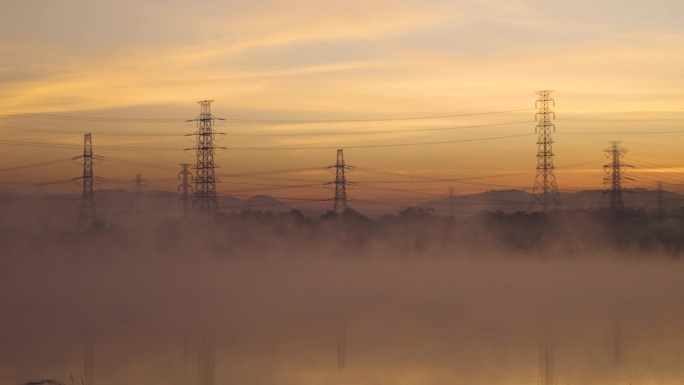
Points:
(258, 202)
(119, 206)
(123, 205)
(518, 200)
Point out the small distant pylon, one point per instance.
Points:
(87, 212)
(341, 346)
(546, 361)
(88, 359)
(340, 201)
(545, 190)
(205, 178)
(661, 197)
(138, 184)
(185, 188)
(206, 359)
(614, 178)
(451, 203)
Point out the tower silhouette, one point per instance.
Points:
(340, 201)
(185, 188)
(87, 212)
(206, 359)
(661, 197)
(545, 189)
(614, 177)
(138, 184)
(205, 178)
(547, 361)
(341, 346)
(88, 358)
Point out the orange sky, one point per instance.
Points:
(616, 68)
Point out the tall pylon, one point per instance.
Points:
(205, 178)
(87, 212)
(88, 358)
(451, 203)
(613, 179)
(340, 201)
(206, 359)
(138, 184)
(661, 197)
(341, 346)
(185, 188)
(546, 361)
(545, 189)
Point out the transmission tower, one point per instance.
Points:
(614, 178)
(661, 197)
(341, 346)
(205, 178)
(88, 199)
(185, 188)
(206, 359)
(88, 358)
(451, 203)
(340, 202)
(138, 184)
(547, 361)
(545, 190)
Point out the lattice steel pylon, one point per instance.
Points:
(341, 346)
(206, 359)
(88, 359)
(545, 190)
(614, 177)
(139, 181)
(340, 201)
(661, 197)
(205, 201)
(185, 188)
(546, 361)
(88, 198)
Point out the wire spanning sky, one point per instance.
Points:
(442, 91)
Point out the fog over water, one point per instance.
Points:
(272, 295)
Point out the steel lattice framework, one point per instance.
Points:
(185, 188)
(88, 359)
(545, 190)
(138, 184)
(614, 177)
(205, 178)
(87, 212)
(206, 359)
(340, 201)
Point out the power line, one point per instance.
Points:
(270, 172)
(77, 132)
(139, 164)
(89, 118)
(167, 120)
(390, 119)
(151, 148)
(620, 132)
(36, 164)
(370, 132)
(288, 198)
(267, 134)
(377, 145)
(624, 120)
(449, 179)
(61, 145)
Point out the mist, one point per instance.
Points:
(420, 299)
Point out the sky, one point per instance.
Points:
(440, 91)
